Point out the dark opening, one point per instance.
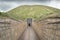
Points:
(29, 24)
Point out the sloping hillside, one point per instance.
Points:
(37, 12)
(2, 14)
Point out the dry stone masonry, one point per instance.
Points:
(47, 29)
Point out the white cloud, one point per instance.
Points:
(55, 4)
(6, 6)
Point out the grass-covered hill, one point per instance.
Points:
(3, 14)
(37, 12)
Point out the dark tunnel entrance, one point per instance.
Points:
(29, 22)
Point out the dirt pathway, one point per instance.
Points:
(29, 34)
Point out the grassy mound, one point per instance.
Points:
(37, 12)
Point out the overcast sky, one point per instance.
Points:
(6, 5)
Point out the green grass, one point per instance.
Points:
(2, 14)
(37, 12)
